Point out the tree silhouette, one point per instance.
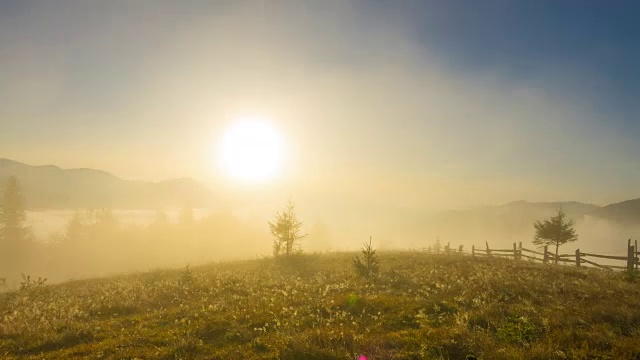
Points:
(161, 219)
(14, 234)
(76, 228)
(286, 230)
(437, 247)
(557, 230)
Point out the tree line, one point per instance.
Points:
(96, 242)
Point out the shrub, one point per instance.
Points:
(28, 283)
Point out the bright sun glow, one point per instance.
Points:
(251, 151)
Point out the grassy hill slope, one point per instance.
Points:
(313, 307)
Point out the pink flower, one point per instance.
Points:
(362, 357)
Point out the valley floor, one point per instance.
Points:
(315, 307)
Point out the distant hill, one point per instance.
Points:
(504, 223)
(50, 187)
(625, 212)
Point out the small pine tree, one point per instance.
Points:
(555, 231)
(286, 230)
(369, 265)
(186, 278)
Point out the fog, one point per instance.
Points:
(387, 134)
(99, 243)
(80, 244)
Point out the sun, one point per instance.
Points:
(251, 151)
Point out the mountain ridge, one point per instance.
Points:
(624, 212)
(53, 187)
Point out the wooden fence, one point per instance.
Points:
(631, 259)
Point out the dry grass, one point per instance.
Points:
(314, 307)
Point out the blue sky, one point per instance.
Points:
(595, 40)
(447, 102)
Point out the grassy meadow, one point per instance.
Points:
(315, 307)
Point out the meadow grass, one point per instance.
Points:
(315, 307)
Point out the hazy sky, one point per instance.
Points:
(446, 103)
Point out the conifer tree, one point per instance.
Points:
(286, 230)
(555, 231)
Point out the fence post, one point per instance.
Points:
(520, 250)
(631, 254)
(488, 250)
(460, 249)
(448, 247)
(635, 256)
(577, 257)
(515, 252)
(546, 255)
(473, 251)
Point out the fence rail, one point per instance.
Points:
(578, 258)
(532, 251)
(530, 257)
(604, 256)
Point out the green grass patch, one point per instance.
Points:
(315, 307)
